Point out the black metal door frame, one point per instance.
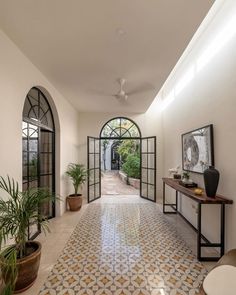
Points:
(141, 166)
(147, 168)
(94, 184)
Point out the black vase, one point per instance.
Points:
(211, 180)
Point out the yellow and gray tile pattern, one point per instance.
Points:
(124, 249)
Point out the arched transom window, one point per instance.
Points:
(120, 128)
(37, 110)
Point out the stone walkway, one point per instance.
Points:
(112, 185)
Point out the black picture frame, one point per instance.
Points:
(198, 149)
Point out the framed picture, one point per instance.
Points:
(197, 149)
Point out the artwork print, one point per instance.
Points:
(197, 149)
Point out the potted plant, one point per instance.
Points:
(78, 175)
(19, 262)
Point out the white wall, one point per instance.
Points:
(17, 76)
(201, 91)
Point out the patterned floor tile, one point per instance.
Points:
(124, 249)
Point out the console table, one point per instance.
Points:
(201, 200)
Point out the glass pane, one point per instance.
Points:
(33, 166)
(46, 163)
(144, 190)
(33, 145)
(91, 176)
(34, 113)
(97, 190)
(46, 181)
(25, 158)
(115, 123)
(124, 132)
(24, 129)
(144, 160)
(25, 185)
(125, 123)
(91, 161)
(134, 131)
(151, 161)
(26, 109)
(33, 183)
(47, 207)
(25, 172)
(91, 145)
(151, 192)
(144, 145)
(106, 131)
(97, 161)
(33, 131)
(144, 175)
(43, 105)
(97, 145)
(151, 146)
(116, 132)
(33, 95)
(91, 192)
(151, 176)
(47, 120)
(97, 175)
(46, 141)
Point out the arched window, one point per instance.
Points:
(38, 150)
(120, 128)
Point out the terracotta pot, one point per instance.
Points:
(74, 202)
(28, 268)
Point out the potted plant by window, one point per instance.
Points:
(78, 175)
(19, 262)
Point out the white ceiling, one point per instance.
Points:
(83, 47)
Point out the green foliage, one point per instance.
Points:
(78, 175)
(132, 166)
(128, 147)
(16, 213)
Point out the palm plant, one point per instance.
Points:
(18, 210)
(78, 175)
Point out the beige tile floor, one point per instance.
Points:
(62, 228)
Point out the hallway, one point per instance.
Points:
(112, 185)
(125, 246)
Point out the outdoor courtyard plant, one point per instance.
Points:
(18, 211)
(132, 166)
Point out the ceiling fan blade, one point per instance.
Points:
(142, 88)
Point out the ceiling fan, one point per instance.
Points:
(121, 94)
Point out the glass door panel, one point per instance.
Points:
(94, 169)
(148, 168)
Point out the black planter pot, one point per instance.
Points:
(211, 180)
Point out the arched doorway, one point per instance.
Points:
(38, 148)
(119, 129)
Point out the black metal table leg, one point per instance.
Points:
(222, 230)
(199, 231)
(164, 197)
(176, 200)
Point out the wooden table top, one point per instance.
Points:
(189, 192)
